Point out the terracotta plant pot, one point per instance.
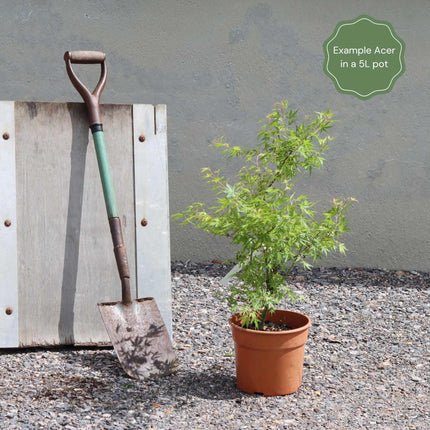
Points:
(271, 362)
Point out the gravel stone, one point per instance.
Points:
(367, 364)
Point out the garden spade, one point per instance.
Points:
(135, 327)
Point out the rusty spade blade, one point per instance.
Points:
(140, 338)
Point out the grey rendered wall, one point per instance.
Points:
(219, 66)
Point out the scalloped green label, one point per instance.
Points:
(364, 57)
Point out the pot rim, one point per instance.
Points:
(272, 333)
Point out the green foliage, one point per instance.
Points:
(272, 227)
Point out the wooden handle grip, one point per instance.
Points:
(85, 57)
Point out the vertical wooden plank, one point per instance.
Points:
(9, 336)
(152, 207)
(66, 261)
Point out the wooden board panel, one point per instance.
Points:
(152, 204)
(65, 259)
(9, 314)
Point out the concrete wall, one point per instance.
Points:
(219, 66)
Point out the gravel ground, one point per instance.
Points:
(366, 364)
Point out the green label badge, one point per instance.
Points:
(364, 57)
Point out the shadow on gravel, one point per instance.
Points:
(362, 277)
(212, 384)
(113, 395)
(205, 385)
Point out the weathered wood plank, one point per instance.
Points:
(9, 314)
(66, 262)
(152, 205)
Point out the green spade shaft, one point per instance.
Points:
(105, 175)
